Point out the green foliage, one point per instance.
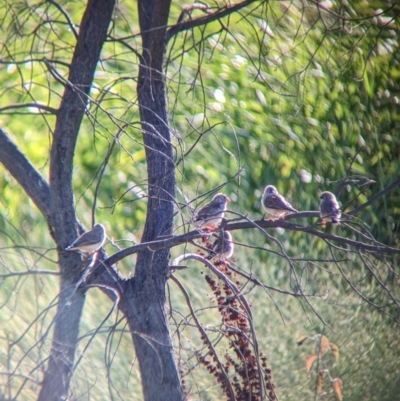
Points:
(296, 115)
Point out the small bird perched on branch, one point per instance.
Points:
(329, 208)
(275, 204)
(222, 246)
(89, 241)
(210, 215)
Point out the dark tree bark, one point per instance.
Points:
(144, 300)
(141, 299)
(92, 35)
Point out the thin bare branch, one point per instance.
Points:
(26, 105)
(374, 198)
(29, 273)
(190, 236)
(204, 334)
(67, 17)
(185, 25)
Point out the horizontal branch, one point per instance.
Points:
(25, 105)
(190, 236)
(234, 224)
(29, 273)
(33, 60)
(186, 25)
(27, 176)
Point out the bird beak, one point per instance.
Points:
(228, 199)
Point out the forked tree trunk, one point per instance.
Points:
(144, 299)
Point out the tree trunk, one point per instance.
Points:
(93, 32)
(144, 299)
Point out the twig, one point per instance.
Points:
(186, 25)
(204, 334)
(25, 105)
